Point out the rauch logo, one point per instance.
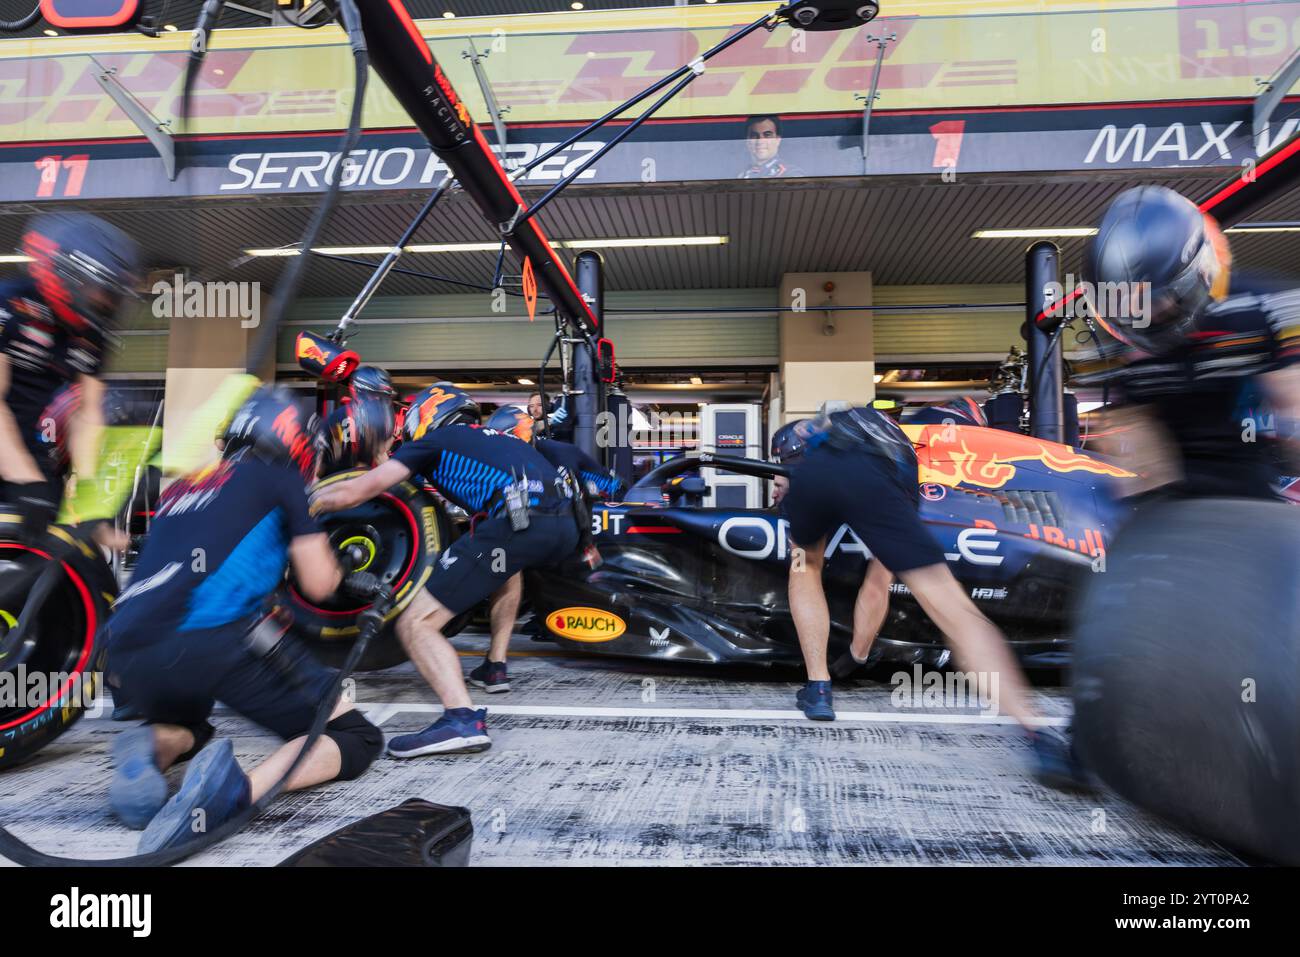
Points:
(586, 624)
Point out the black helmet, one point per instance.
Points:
(271, 427)
(1151, 265)
(512, 420)
(440, 404)
(355, 433)
(83, 268)
(787, 444)
(372, 380)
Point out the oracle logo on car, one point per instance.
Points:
(586, 624)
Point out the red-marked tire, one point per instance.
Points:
(47, 693)
(402, 532)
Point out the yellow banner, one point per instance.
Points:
(562, 68)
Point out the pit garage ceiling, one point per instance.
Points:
(905, 232)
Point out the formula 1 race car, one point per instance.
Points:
(1019, 518)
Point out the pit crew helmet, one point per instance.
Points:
(83, 268)
(355, 434)
(439, 405)
(513, 420)
(1152, 266)
(271, 427)
(787, 444)
(373, 381)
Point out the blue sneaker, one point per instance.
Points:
(139, 789)
(491, 676)
(458, 730)
(213, 784)
(1056, 764)
(814, 700)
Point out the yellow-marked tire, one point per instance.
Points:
(401, 533)
(50, 691)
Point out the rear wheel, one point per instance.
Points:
(400, 533)
(47, 682)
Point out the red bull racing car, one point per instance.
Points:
(1020, 519)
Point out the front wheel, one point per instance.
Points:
(50, 680)
(400, 533)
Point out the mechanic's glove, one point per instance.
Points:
(362, 585)
(36, 508)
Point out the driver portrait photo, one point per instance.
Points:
(763, 140)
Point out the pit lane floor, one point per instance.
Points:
(599, 761)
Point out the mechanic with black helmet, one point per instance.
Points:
(523, 518)
(53, 330)
(590, 481)
(1193, 356)
(190, 630)
(859, 469)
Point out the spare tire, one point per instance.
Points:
(1187, 670)
(402, 532)
(45, 694)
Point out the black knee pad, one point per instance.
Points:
(359, 741)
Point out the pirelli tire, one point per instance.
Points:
(401, 532)
(46, 694)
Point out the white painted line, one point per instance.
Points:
(386, 710)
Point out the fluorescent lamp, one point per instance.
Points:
(619, 243)
(1045, 232)
(1265, 228)
(15, 259)
(525, 381)
(696, 380)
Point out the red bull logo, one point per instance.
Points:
(308, 350)
(425, 412)
(955, 455)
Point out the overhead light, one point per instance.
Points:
(1264, 228)
(696, 380)
(636, 241)
(15, 259)
(169, 27)
(632, 242)
(525, 381)
(51, 33)
(448, 15)
(1045, 232)
(576, 5)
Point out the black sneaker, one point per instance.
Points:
(1056, 764)
(491, 676)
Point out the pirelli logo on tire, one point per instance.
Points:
(586, 624)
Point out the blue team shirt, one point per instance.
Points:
(242, 515)
(589, 473)
(469, 466)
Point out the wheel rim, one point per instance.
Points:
(386, 530)
(64, 631)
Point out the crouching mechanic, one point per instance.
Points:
(182, 635)
(53, 327)
(859, 469)
(591, 481)
(522, 519)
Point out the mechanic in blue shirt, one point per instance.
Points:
(53, 326)
(523, 518)
(591, 481)
(179, 638)
(859, 469)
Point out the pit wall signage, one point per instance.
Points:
(935, 144)
(566, 68)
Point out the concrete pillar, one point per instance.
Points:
(204, 349)
(825, 355)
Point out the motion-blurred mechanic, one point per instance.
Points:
(189, 630)
(859, 469)
(523, 518)
(53, 329)
(590, 480)
(1195, 357)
